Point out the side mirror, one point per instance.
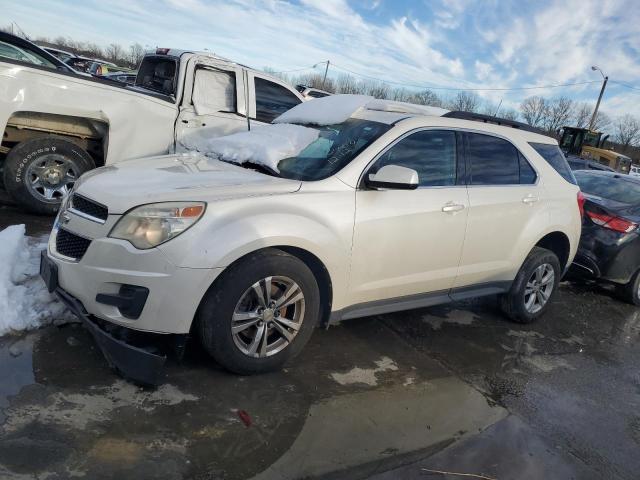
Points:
(393, 177)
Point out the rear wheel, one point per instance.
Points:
(260, 313)
(39, 173)
(533, 287)
(631, 291)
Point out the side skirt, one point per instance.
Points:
(421, 300)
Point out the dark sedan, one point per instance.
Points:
(609, 247)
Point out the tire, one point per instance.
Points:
(46, 159)
(514, 303)
(215, 314)
(631, 291)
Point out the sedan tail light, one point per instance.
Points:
(612, 222)
(581, 200)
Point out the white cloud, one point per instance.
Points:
(455, 43)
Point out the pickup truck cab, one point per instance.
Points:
(57, 125)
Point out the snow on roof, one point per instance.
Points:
(338, 108)
(404, 107)
(325, 111)
(263, 145)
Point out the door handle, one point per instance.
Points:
(452, 207)
(530, 199)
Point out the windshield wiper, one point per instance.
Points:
(260, 168)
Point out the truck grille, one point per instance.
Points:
(71, 245)
(89, 207)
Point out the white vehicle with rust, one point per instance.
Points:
(344, 207)
(58, 124)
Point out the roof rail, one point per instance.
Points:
(478, 117)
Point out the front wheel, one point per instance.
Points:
(533, 287)
(260, 312)
(40, 172)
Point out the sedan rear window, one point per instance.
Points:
(610, 187)
(554, 157)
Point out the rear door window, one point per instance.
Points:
(272, 100)
(493, 161)
(554, 157)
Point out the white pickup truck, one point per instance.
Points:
(57, 125)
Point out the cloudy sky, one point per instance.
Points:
(430, 43)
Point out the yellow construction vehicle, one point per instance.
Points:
(589, 145)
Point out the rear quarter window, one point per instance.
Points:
(554, 157)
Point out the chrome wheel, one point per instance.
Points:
(268, 316)
(539, 288)
(51, 177)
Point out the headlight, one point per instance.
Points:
(150, 225)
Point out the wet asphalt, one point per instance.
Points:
(451, 389)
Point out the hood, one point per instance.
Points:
(182, 177)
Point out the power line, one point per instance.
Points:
(625, 85)
(294, 70)
(465, 89)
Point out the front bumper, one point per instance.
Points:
(111, 268)
(137, 363)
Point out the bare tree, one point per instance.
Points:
(603, 122)
(558, 113)
(113, 52)
(534, 110)
(376, 89)
(348, 84)
(465, 101)
(626, 131)
(426, 97)
(136, 52)
(582, 114)
(509, 114)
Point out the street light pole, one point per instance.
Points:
(324, 79)
(595, 111)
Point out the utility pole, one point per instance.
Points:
(324, 79)
(595, 111)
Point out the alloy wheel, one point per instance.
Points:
(539, 288)
(268, 316)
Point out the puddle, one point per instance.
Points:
(367, 376)
(547, 363)
(459, 317)
(332, 409)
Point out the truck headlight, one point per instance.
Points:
(150, 225)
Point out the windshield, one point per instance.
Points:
(591, 139)
(15, 53)
(610, 187)
(334, 148)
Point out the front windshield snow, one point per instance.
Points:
(293, 151)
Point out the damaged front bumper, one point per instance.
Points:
(128, 356)
(137, 356)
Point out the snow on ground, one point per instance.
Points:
(265, 145)
(324, 111)
(24, 300)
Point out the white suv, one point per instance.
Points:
(346, 207)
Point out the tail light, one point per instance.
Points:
(581, 200)
(612, 222)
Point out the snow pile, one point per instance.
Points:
(404, 107)
(265, 145)
(325, 111)
(24, 300)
